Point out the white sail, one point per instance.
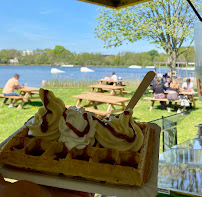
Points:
(150, 67)
(135, 66)
(55, 70)
(67, 65)
(85, 69)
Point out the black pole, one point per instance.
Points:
(197, 14)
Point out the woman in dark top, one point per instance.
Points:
(173, 94)
(158, 89)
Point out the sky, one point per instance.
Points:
(28, 25)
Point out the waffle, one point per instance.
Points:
(93, 163)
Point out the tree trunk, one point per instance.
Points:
(172, 61)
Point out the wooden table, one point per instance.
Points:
(107, 81)
(28, 93)
(190, 96)
(95, 100)
(113, 89)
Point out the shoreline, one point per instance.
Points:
(182, 68)
(75, 66)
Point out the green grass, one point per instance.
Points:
(11, 119)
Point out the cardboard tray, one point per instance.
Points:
(149, 189)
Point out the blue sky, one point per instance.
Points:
(28, 25)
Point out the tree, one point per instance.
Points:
(189, 54)
(4, 56)
(166, 23)
(59, 49)
(153, 53)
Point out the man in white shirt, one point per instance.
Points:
(188, 86)
(114, 77)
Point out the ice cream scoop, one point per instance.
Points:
(77, 128)
(45, 122)
(119, 132)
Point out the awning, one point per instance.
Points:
(114, 3)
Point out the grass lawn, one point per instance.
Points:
(11, 119)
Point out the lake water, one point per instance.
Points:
(34, 75)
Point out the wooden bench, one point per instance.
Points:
(116, 92)
(15, 98)
(196, 98)
(34, 92)
(27, 94)
(152, 99)
(125, 92)
(98, 93)
(93, 100)
(111, 88)
(96, 111)
(104, 94)
(11, 97)
(107, 81)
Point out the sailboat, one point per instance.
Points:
(134, 66)
(55, 70)
(67, 65)
(85, 69)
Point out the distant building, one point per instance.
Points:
(14, 60)
(27, 52)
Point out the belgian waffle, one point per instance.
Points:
(92, 163)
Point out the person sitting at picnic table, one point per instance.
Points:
(188, 86)
(173, 93)
(164, 78)
(113, 78)
(158, 90)
(9, 88)
(167, 83)
(120, 81)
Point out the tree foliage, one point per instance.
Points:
(166, 23)
(59, 49)
(48, 57)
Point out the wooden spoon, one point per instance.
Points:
(141, 89)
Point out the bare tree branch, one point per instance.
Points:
(186, 48)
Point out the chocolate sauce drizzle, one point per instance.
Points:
(44, 124)
(119, 135)
(75, 130)
(106, 125)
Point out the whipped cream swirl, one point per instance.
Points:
(120, 132)
(77, 128)
(45, 122)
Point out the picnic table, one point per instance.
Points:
(107, 81)
(111, 88)
(95, 100)
(190, 95)
(27, 94)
